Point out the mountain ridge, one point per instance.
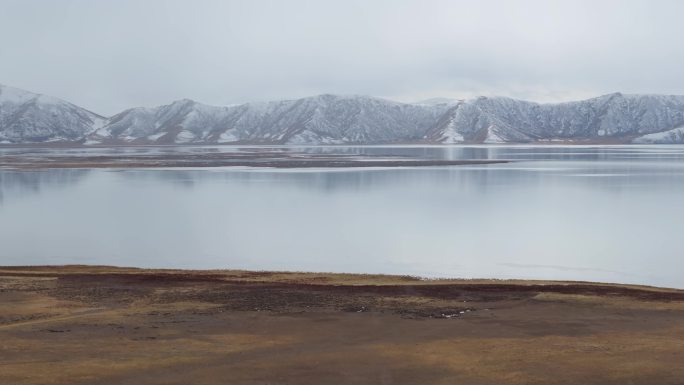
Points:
(27, 117)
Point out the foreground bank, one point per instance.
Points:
(105, 325)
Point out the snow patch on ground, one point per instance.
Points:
(307, 137)
(185, 137)
(675, 135)
(228, 136)
(493, 137)
(104, 131)
(98, 124)
(451, 135)
(156, 136)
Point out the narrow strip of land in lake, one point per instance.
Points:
(106, 325)
(272, 159)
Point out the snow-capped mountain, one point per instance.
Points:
(613, 117)
(318, 119)
(26, 117)
(330, 119)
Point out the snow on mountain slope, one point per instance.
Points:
(314, 120)
(26, 117)
(674, 136)
(181, 121)
(614, 116)
(482, 120)
(361, 119)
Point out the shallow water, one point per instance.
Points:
(611, 213)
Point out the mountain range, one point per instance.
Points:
(27, 117)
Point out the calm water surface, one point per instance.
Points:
(582, 213)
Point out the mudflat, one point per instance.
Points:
(108, 325)
(267, 157)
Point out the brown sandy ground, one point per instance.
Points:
(105, 325)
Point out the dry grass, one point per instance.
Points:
(102, 325)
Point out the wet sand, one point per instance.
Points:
(273, 158)
(105, 325)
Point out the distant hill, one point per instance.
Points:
(26, 117)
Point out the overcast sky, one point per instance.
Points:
(111, 55)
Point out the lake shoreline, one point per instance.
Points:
(244, 157)
(150, 326)
(20, 163)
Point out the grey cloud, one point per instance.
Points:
(110, 55)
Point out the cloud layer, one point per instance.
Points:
(110, 55)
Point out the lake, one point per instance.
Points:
(591, 213)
